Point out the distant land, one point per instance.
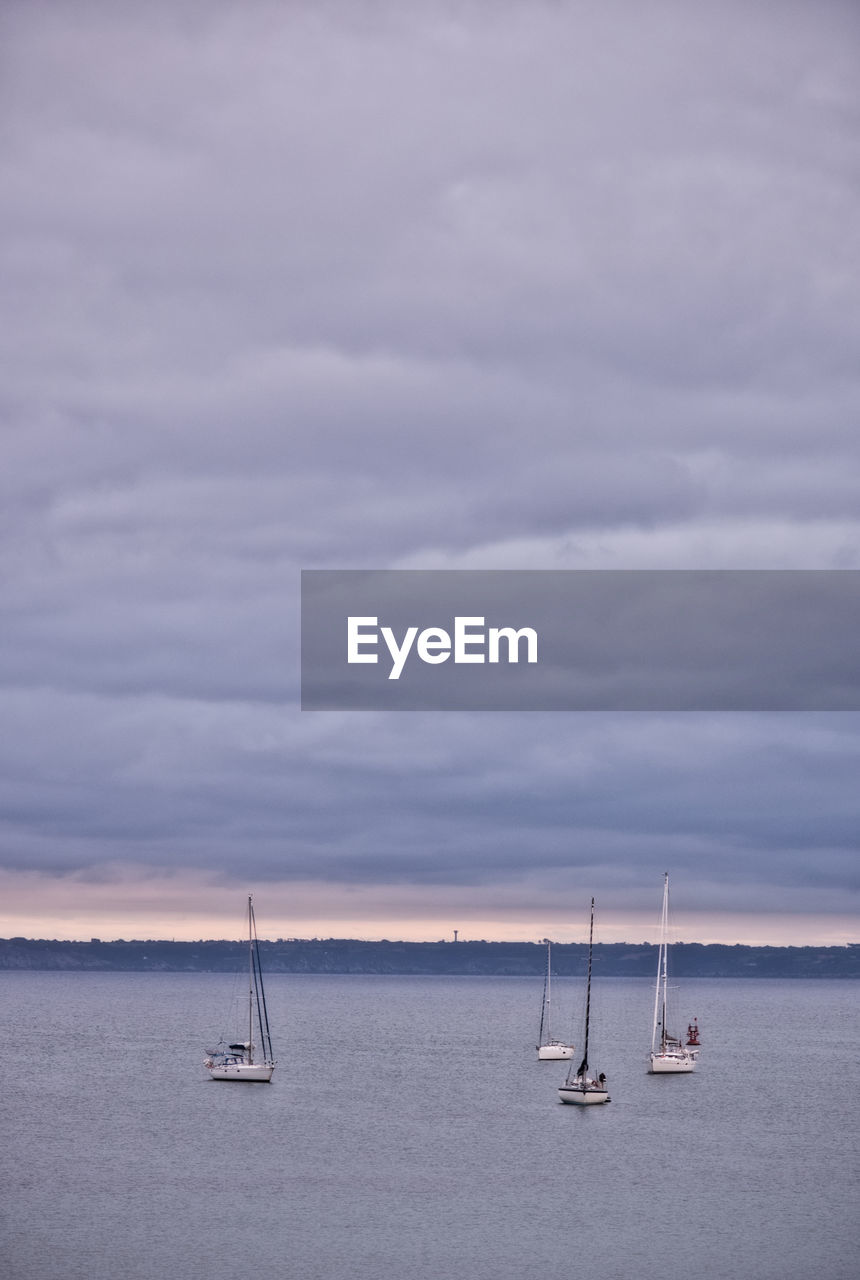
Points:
(507, 959)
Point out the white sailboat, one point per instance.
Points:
(669, 1055)
(548, 1048)
(246, 1060)
(584, 1088)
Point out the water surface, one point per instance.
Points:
(410, 1131)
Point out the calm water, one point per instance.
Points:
(409, 1131)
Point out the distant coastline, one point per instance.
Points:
(501, 959)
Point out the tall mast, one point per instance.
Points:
(250, 983)
(260, 995)
(662, 977)
(583, 1066)
(544, 1004)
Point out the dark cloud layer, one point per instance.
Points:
(366, 285)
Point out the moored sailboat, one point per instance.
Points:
(584, 1088)
(669, 1054)
(548, 1048)
(247, 1060)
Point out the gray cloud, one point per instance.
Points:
(353, 285)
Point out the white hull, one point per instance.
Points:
(581, 1096)
(252, 1072)
(554, 1052)
(671, 1064)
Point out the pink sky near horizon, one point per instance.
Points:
(188, 907)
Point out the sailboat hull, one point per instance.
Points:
(580, 1096)
(252, 1072)
(663, 1064)
(554, 1052)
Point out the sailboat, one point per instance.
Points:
(548, 1049)
(583, 1089)
(246, 1060)
(669, 1055)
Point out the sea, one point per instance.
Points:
(410, 1131)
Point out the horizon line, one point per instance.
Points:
(423, 942)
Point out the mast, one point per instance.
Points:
(250, 982)
(260, 995)
(662, 976)
(544, 1007)
(583, 1066)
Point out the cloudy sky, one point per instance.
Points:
(362, 284)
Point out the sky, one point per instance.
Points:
(366, 285)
